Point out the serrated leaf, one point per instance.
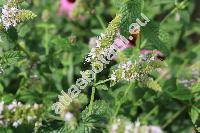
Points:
(151, 32)
(10, 57)
(131, 10)
(100, 108)
(98, 118)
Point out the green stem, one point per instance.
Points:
(101, 21)
(92, 97)
(71, 69)
(23, 49)
(54, 117)
(174, 10)
(101, 82)
(91, 100)
(46, 42)
(169, 121)
(150, 113)
(125, 95)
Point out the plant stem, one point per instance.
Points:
(150, 113)
(92, 96)
(169, 121)
(71, 69)
(46, 40)
(101, 21)
(91, 100)
(23, 49)
(125, 95)
(101, 82)
(174, 10)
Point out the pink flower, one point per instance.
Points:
(121, 44)
(66, 8)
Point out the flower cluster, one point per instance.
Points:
(8, 16)
(124, 126)
(104, 41)
(17, 113)
(99, 56)
(11, 15)
(138, 70)
(70, 111)
(191, 76)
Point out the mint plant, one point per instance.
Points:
(82, 66)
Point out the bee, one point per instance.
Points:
(135, 35)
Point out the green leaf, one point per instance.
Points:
(1, 89)
(102, 87)
(194, 114)
(131, 10)
(82, 128)
(155, 40)
(181, 94)
(10, 57)
(97, 31)
(23, 30)
(196, 87)
(98, 118)
(8, 98)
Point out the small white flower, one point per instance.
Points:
(1, 122)
(128, 127)
(137, 123)
(155, 129)
(93, 42)
(10, 106)
(9, 16)
(28, 106)
(19, 104)
(13, 105)
(123, 76)
(36, 106)
(38, 124)
(30, 118)
(114, 127)
(102, 35)
(17, 123)
(113, 77)
(1, 68)
(1, 107)
(68, 116)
